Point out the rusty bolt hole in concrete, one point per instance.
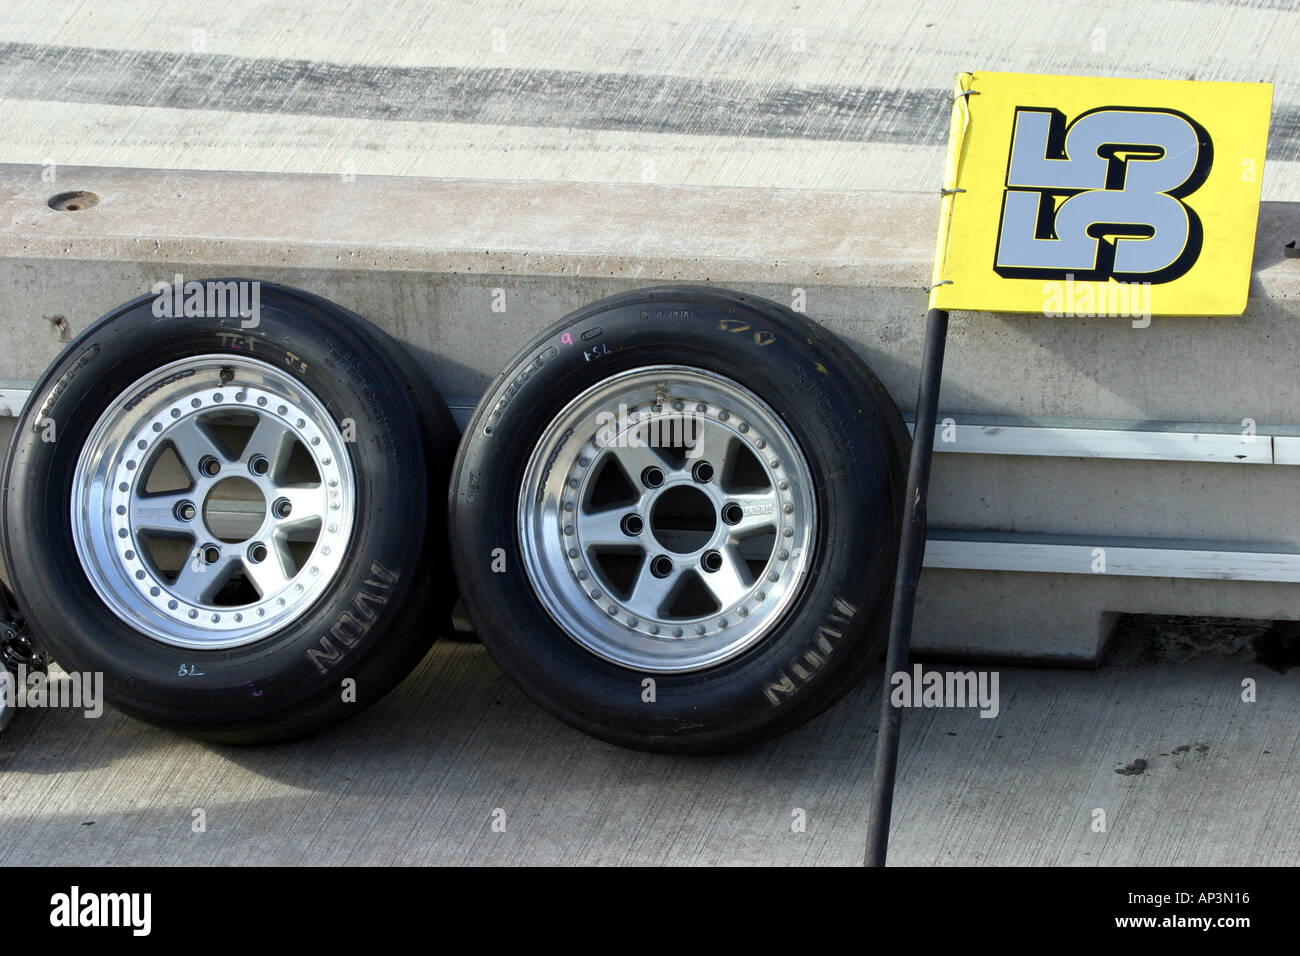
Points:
(73, 202)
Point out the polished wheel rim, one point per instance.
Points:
(666, 519)
(213, 502)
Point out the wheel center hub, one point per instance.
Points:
(234, 510)
(683, 519)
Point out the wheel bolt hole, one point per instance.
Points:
(259, 465)
(257, 553)
(652, 477)
(732, 513)
(632, 525)
(281, 508)
(209, 466)
(185, 511)
(711, 561)
(211, 554)
(702, 472)
(661, 566)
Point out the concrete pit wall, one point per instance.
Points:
(424, 260)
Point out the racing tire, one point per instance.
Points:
(675, 519)
(231, 513)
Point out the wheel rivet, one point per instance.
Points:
(259, 465)
(711, 561)
(209, 466)
(185, 511)
(281, 508)
(702, 472)
(661, 566)
(652, 477)
(632, 525)
(732, 513)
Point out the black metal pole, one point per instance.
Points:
(910, 551)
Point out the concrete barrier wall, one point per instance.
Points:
(423, 258)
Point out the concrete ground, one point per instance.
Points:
(1184, 770)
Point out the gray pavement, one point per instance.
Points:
(420, 778)
(822, 95)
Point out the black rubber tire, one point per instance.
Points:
(857, 447)
(271, 689)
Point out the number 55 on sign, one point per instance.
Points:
(1098, 183)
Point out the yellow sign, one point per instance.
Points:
(1072, 195)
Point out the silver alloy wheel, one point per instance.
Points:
(667, 519)
(213, 502)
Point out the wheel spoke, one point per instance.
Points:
(273, 440)
(307, 506)
(193, 442)
(762, 513)
(157, 514)
(268, 575)
(604, 528)
(198, 581)
(650, 594)
(634, 461)
(714, 444)
(726, 584)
